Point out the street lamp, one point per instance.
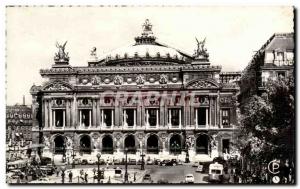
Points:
(126, 173)
(63, 169)
(98, 177)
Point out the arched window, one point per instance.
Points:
(130, 144)
(202, 144)
(59, 145)
(175, 144)
(152, 144)
(85, 144)
(107, 144)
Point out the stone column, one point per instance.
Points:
(196, 117)
(134, 118)
(206, 117)
(169, 118)
(68, 112)
(64, 118)
(54, 120)
(102, 118)
(180, 118)
(90, 118)
(50, 114)
(94, 112)
(157, 118)
(112, 118)
(46, 113)
(138, 121)
(161, 114)
(193, 122)
(80, 118)
(147, 118)
(218, 110)
(98, 114)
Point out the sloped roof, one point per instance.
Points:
(283, 41)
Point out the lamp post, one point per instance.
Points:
(98, 176)
(63, 169)
(126, 173)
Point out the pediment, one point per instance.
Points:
(58, 86)
(202, 84)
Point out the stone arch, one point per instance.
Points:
(153, 144)
(175, 143)
(57, 85)
(202, 83)
(130, 142)
(107, 144)
(202, 144)
(85, 144)
(59, 146)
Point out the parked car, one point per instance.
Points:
(157, 161)
(150, 162)
(117, 161)
(77, 161)
(189, 178)
(46, 160)
(195, 164)
(49, 169)
(179, 162)
(172, 162)
(101, 161)
(132, 162)
(84, 162)
(215, 172)
(219, 160)
(118, 173)
(147, 178)
(91, 162)
(41, 180)
(199, 168)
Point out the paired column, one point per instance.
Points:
(46, 113)
(80, 118)
(157, 118)
(179, 118)
(134, 117)
(90, 118)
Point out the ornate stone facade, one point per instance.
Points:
(163, 103)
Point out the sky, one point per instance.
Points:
(233, 34)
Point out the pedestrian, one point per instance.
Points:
(226, 176)
(57, 172)
(70, 176)
(134, 176)
(231, 177)
(86, 177)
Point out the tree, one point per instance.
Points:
(268, 123)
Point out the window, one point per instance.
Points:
(152, 116)
(226, 145)
(280, 56)
(174, 116)
(281, 74)
(129, 117)
(85, 117)
(59, 117)
(202, 116)
(107, 117)
(225, 117)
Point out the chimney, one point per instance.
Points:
(23, 100)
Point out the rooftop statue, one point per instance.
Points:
(61, 55)
(147, 28)
(201, 51)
